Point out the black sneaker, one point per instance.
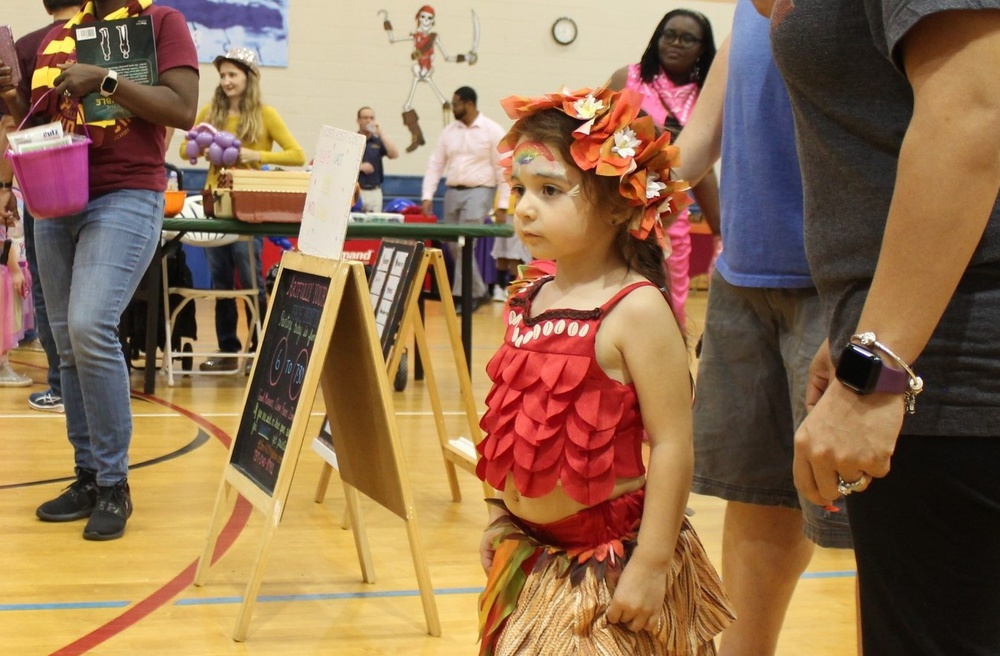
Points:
(114, 507)
(76, 502)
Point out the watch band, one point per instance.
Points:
(6, 185)
(892, 380)
(913, 384)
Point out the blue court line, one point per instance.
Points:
(324, 596)
(331, 596)
(847, 573)
(68, 605)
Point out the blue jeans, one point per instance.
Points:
(91, 264)
(41, 314)
(223, 262)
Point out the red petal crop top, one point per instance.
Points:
(553, 415)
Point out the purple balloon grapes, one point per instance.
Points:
(221, 148)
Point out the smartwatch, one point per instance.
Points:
(110, 83)
(862, 370)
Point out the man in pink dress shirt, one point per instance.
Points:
(466, 156)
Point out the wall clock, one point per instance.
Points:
(564, 31)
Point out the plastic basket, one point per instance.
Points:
(56, 181)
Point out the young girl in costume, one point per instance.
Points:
(587, 553)
(16, 310)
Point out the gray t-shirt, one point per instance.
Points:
(852, 105)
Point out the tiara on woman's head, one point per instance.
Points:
(612, 140)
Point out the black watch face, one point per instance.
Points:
(109, 85)
(859, 369)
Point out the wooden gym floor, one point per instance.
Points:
(60, 594)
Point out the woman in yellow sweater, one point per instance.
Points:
(237, 108)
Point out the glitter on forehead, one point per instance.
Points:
(529, 151)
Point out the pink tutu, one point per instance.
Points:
(17, 313)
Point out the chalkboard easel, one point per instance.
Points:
(455, 451)
(319, 332)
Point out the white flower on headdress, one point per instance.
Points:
(588, 107)
(653, 185)
(625, 143)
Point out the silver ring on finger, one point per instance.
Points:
(67, 92)
(859, 485)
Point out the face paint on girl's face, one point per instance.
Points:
(539, 158)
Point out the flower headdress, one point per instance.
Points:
(612, 140)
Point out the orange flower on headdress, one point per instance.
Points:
(612, 140)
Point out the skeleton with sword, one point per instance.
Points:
(425, 42)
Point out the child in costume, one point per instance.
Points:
(16, 310)
(586, 553)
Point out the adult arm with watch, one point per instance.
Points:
(956, 107)
(172, 102)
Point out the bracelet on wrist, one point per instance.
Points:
(6, 185)
(915, 384)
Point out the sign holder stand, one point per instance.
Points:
(339, 352)
(459, 451)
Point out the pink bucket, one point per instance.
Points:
(54, 182)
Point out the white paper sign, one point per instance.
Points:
(331, 192)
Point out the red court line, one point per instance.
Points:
(158, 598)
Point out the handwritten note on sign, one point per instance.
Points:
(331, 192)
(274, 392)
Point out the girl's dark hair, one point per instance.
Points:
(555, 128)
(649, 65)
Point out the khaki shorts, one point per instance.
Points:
(750, 397)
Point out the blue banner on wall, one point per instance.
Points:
(218, 25)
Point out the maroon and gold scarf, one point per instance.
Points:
(62, 49)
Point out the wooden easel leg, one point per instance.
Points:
(253, 587)
(420, 336)
(423, 579)
(461, 363)
(324, 482)
(360, 535)
(201, 572)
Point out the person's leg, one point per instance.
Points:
(744, 427)
(55, 246)
(478, 206)
(927, 542)
(221, 266)
(41, 314)
(764, 552)
(453, 204)
(105, 252)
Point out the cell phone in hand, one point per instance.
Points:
(5, 252)
(8, 55)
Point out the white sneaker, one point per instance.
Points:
(10, 378)
(499, 294)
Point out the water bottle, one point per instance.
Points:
(172, 181)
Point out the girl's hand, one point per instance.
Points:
(487, 548)
(638, 599)
(8, 208)
(18, 282)
(248, 156)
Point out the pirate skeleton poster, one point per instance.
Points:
(126, 46)
(426, 43)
